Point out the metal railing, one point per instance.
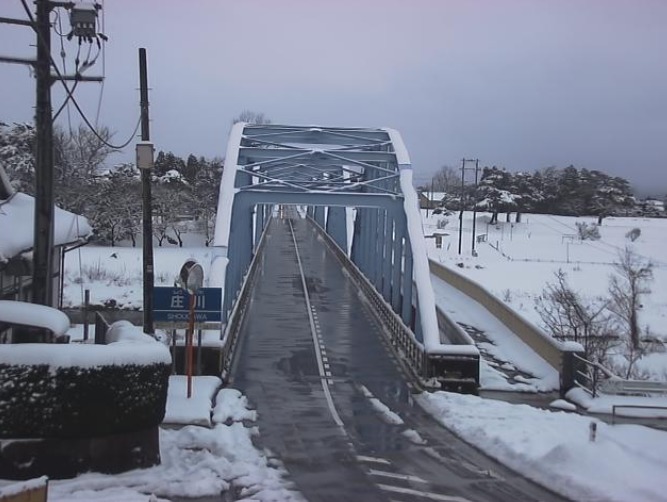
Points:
(637, 406)
(233, 326)
(632, 387)
(587, 374)
(402, 339)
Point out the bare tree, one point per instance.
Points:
(569, 317)
(447, 179)
(252, 118)
(626, 288)
(80, 153)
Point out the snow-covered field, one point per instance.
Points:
(517, 260)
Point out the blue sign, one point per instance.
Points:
(173, 305)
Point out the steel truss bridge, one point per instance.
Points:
(355, 186)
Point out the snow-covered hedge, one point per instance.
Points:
(51, 390)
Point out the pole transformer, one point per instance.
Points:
(147, 210)
(42, 286)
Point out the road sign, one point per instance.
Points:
(171, 305)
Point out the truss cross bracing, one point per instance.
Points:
(338, 175)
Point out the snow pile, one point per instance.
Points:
(84, 355)
(196, 462)
(16, 226)
(626, 462)
(195, 410)
(125, 331)
(23, 486)
(30, 314)
(232, 406)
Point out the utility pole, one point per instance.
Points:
(83, 24)
(146, 199)
(42, 290)
(474, 207)
(463, 169)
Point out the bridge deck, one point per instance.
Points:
(313, 376)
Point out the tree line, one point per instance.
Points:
(565, 191)
(182, 189)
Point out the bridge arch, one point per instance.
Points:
(327, 170)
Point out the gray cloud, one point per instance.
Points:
(522, 84)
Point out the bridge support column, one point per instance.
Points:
(260, 214)
(406, 307)
(397, 265)
(319, 215)
(387, 258)
(337, 226)
(378, 247)
(240, 253)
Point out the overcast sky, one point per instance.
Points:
(522, 84)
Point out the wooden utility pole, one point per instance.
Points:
(474, 207)
(463, 168)
(146, 200)
(42, 286)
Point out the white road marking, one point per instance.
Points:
(313, 331)
(396, 475)
(419, 493)
(376, 460)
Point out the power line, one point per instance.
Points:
(70, 96)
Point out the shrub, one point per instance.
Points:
(40, 401)
(588, 232)
(634, 234)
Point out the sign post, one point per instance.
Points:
(191, 278)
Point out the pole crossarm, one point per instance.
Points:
(17, 60)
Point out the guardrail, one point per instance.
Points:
(589, 378)
(233, 326)
(454, 370)
(632, 387)
(639, 406)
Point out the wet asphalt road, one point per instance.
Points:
(316, 379)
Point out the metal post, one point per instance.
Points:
(188, 342)
(146, 201)
(86, 306)
(42, 290)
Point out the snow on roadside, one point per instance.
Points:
(196, 462)
(195, 410)
(626, 462)
(504, 346)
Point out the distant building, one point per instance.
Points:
(431, 200)
(16, 242)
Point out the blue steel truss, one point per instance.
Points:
(328, 170)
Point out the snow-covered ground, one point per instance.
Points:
(197, 461)
(517, 260)
(552, 447)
